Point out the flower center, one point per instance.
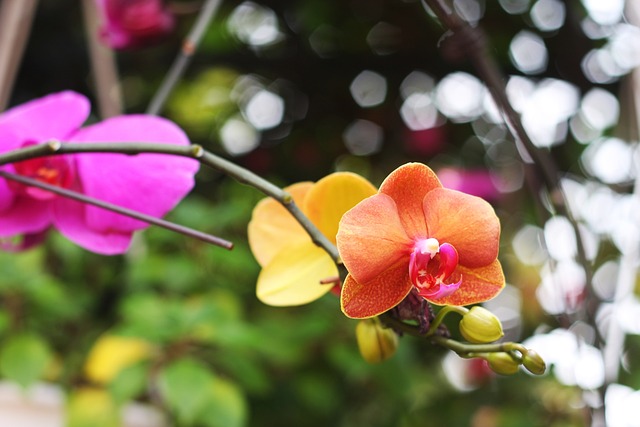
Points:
(431, 268)
(53, 170)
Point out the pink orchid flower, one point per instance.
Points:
(148, 183)
(134, 23)
(477, 182)
(416, 235)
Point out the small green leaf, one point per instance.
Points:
(226, 405)
(24, 358)
(129, 383)
(185, 386)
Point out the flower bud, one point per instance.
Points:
(375, 342)
(480, 326)
(534, 362)
(502, 363)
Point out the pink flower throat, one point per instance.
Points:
(431, 267)
(54, 170)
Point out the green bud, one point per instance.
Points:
(502, 363)
(375, 342)
(480, 326)
(534, 362)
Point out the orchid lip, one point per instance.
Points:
(430, 265)
(442, 290)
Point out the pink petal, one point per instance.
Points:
(134, 23)
(6, 195)
(25, 216)
(149, 183)
(54, 116)
(371, 238)
(407, 186)
(69, 218)
(477, 182)
(8, 140)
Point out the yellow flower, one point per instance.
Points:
(111, 354)
(292, 265)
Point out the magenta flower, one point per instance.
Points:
(134, 23)
(148, 183)
(477, 182)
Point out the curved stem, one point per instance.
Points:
(444, 311)
(192, 151)
(208, 238)
(467, 348)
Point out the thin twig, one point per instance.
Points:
(205, 237)
(188, 49)
(16, 17)
(489, 72)
(103, 65)
(192, 151)
(628, 267)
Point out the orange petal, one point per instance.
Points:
(272, 227)
(478, 285)
(469, 223)
(363, 300)
(407, 186)
(293, 276)
(332, 196)
(371, 238)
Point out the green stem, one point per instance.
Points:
(191, 151)
(469, 349)
(444, 311)
(208, 238)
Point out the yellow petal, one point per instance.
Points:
(111, 354)
(272, 227)
(332, 196)
(293, 276)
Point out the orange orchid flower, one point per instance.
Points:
(415, 234)
(292, 265)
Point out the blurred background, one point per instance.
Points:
(172, 334)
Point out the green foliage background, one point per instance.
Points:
(223, 358)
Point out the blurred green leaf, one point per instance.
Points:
(129, 383)
(24, 358)
(226, 405)
(185, 386)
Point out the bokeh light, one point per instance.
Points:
(254, 24)
(238, 137)
(368, 89)
(363, 137)
(546, 112)
(548, 15)
(264, 110)
(459, 96)
(528, 52)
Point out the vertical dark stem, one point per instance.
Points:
(472, 42)
(16, 17)
(188, 49)
(103, 65)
